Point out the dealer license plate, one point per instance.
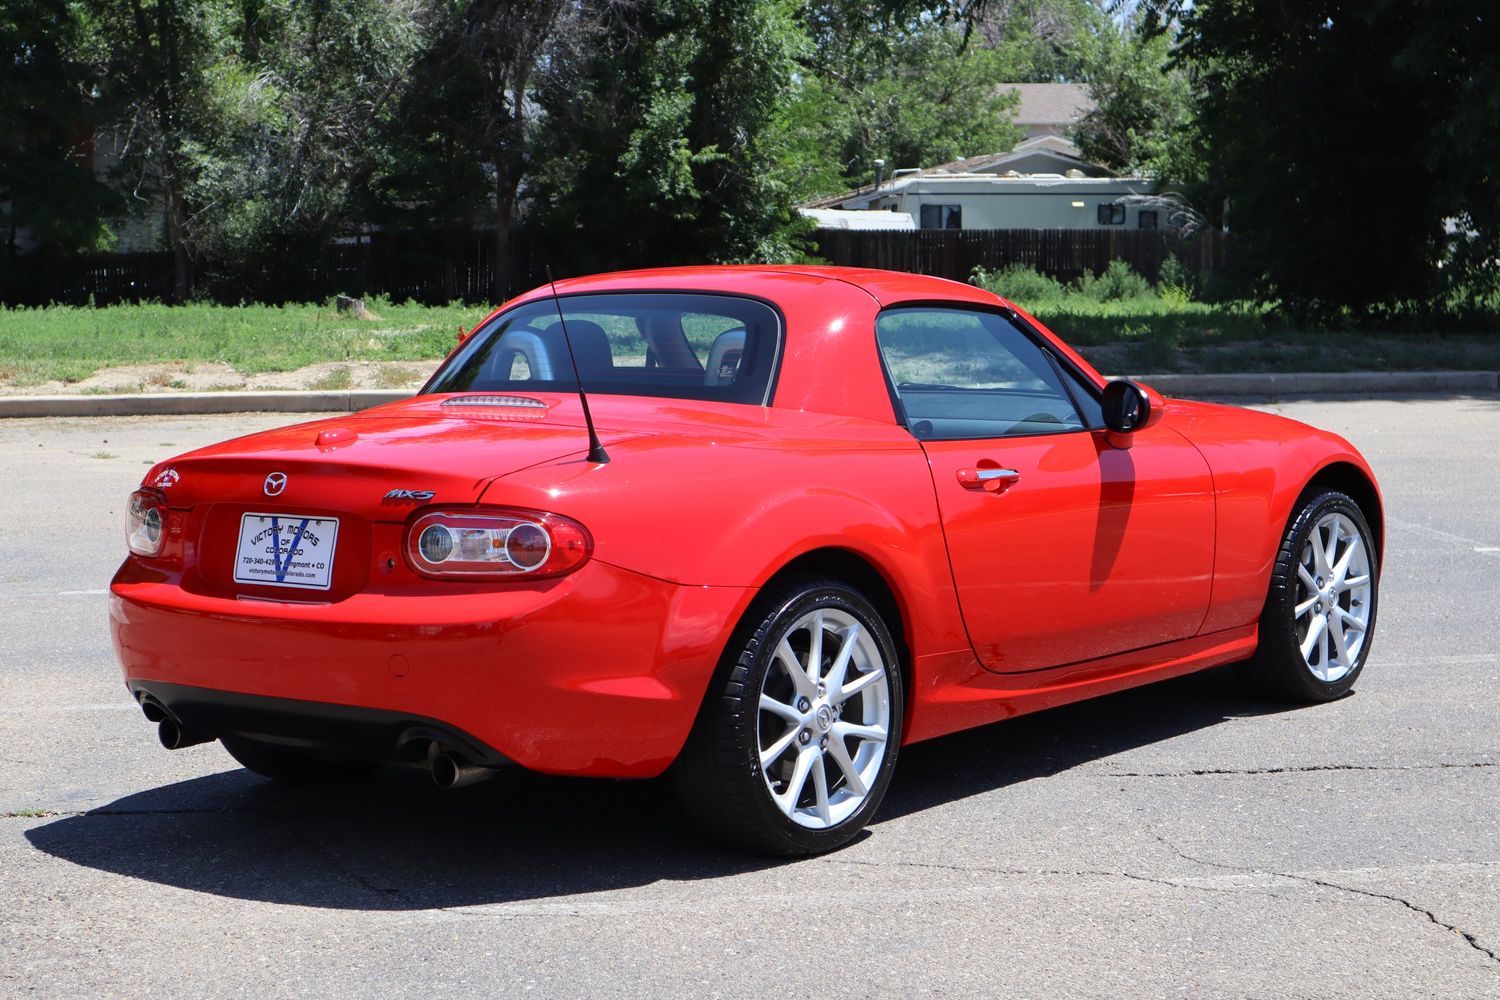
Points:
(282, 551)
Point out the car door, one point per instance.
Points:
(1064, 548)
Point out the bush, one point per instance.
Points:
(1118, 283)
(1019, 283)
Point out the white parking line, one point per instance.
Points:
(1422, 529)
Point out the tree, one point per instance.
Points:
(906, 83)
(1344, 136)
(153, 59)
(296, 102)
(46, 186)
(664, 123)
(460, 145)
(1141, 109)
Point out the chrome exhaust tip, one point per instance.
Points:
(451, 771)
(174, 737)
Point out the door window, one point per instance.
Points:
(963, 373)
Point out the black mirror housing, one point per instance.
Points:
(1127, 407)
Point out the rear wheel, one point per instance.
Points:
(1319, 616)
(292, 766)
(795, 747)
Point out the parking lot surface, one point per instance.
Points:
(1178, 840)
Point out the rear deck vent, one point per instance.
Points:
(524, 402)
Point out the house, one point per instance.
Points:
(1049, 108)
(1043, 183)
(938, 199)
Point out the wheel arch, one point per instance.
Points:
(1346, 477)
(862, 574)
(847, 566)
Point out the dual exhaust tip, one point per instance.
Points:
(169, 730)
(448, 770)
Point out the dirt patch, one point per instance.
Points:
(213, 376)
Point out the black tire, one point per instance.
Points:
(293, 767)
(718, 774)
(1278, 668)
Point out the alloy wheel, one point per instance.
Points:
(1331, 611)
(824, 718)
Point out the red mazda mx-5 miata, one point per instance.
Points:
(827, 513)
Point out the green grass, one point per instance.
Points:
(70, 343)
(1118, 321)
(1122, 324)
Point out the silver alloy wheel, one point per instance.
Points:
(1331, 613)
(824, 719)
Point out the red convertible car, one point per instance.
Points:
(803, 517)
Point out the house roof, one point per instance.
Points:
(1043, 146)
(829, 218)
(1050, 103)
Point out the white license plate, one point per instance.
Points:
(286, 551)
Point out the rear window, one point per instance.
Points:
(679, 345)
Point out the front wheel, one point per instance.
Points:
(1319, 616)
(795, 746)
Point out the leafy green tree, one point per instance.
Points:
(909, 84)
(460, 145)
(153, 61)
(1039, 41)
(1141, 111)
(662, 128)
(1345, 138)
(296, 101)
(46, 186)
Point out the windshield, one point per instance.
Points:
(681, 345)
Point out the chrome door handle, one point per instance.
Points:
(988, 477)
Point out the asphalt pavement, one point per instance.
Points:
(1178, 840)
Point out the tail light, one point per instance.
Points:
(496, 544)
(146, 522)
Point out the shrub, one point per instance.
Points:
(1118, 283)
(1019, 283)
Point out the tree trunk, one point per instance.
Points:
(182, 278)
(505, 206)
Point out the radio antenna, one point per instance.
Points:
(597, 454)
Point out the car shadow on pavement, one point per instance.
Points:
(394, 842)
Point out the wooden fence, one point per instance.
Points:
(427, 270)
(1064, 254)
(458, 267)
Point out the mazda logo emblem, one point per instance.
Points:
(275, 483)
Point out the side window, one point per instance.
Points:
(942, 217)
(1111, 214)
(962, 373)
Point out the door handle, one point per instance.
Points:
(988, 476)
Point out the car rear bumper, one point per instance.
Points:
(597, 673)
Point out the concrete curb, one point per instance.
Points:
(1260, 385)
(151, 404)
(1279, 385)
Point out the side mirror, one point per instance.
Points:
(1129, 407)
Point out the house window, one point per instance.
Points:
(1112, 214)
(942, 217)
(1149, 220)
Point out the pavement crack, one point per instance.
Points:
(1307, 769)
(1470, 939)
(1432, 917)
